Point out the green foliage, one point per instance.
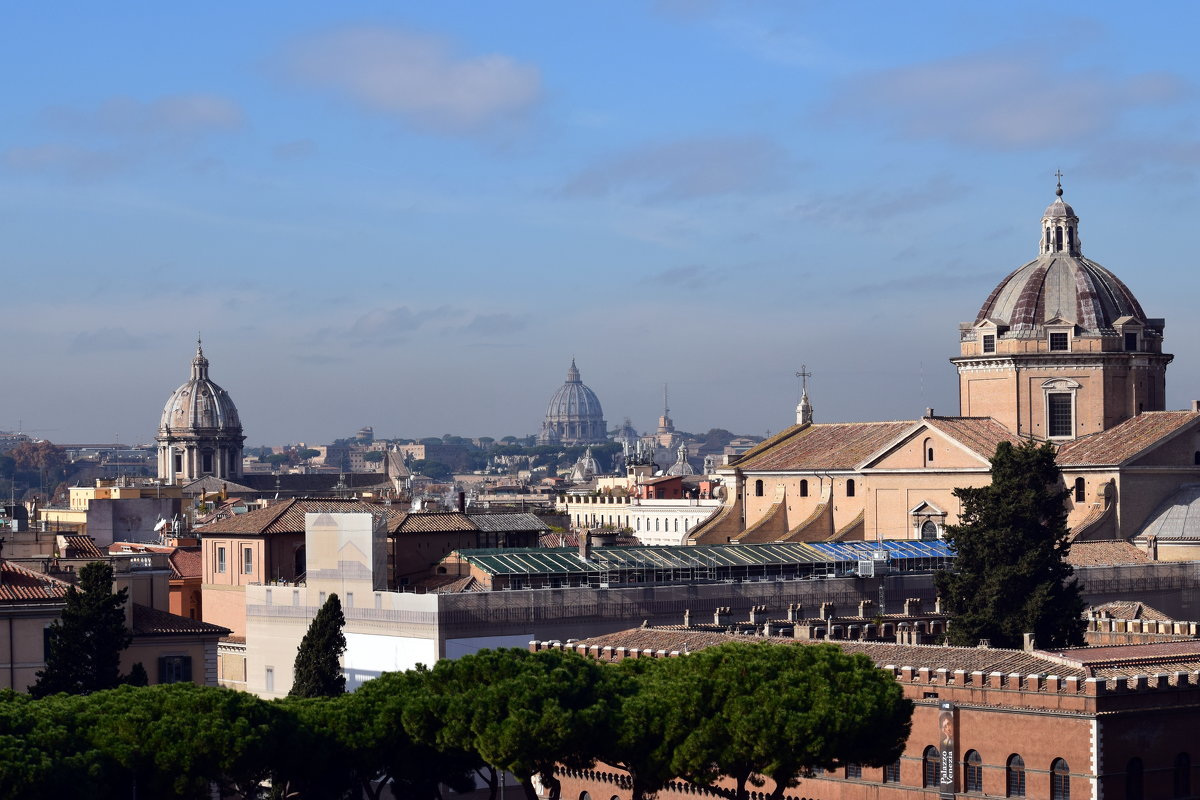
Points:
(1010, 576)
(374, 456)
(277, 458)
(306, 453)
(137, 676)
(85, 643)
(318, 668)
(435, 470)
(755, 711)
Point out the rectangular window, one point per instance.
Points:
(220, 559)
(1060, 342)
(349, 599)
(1058, 412)
(269, 679)
(989, 343)
(891, 773)
(247, 560)
(174, 669)
(854, 771)
(1131, 342)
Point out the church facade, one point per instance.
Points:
(1060, 351)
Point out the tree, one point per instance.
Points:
(85, 643)
(374, 456)
(1010, 576)
(751, 712)
(433, 469)
(305, 453)
(318, 669)
(277, 458)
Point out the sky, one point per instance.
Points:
(414, 215)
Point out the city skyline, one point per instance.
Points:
(415, 218)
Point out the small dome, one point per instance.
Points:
(1059, 210)
(199, 404)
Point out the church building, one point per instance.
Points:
(1060, 351)
(199, 433)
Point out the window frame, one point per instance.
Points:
(222, 563)
(973, 772)
(1058, 341)
(1067, 398)
(1014, 776)
(1060, 779)
(247, 560)
(891, 772)
(931, 768)
(989, 343)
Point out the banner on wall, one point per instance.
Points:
(947, 733)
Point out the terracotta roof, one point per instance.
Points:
(509, 522)
(842, 445)
(571, 539)
(187, 562)
(1118, 445)
(149, 621)
(449, 584)
(288, 516)
(81, 547)
(1130, 609)
(18, 584)
(980, 434)
(1105, 553)
(432, 522)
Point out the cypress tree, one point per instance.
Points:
(85, 643)
(318, 669)
(1010, 576)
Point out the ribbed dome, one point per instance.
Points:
(1059, 209)
(199, 404)
(1058, 285)
(574, 400)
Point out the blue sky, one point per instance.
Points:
(413, 216)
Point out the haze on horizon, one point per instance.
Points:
(413, 217)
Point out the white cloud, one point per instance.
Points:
(1001, 100)
(416, 77)
(688, 168)
(165, 117)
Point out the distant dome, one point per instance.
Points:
(1060, 282)
(199, 403)
(573, 415)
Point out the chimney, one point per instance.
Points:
(864, 608)
(585, 546)
(719, 617)
(912, 606)
(462, 502)
(1030, 644)
(827, 611)
(929, 412)
(687, 618)
(1196, 406)
(755, 612)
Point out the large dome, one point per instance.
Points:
(574, 415)
(199, 404)
(1060, 282)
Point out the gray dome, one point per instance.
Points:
(199, 404)
(574, 399)
(1059, 210)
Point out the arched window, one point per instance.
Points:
(973, 772)
(929, 529)
(850, 488)
(1060, 780)
(584, 796)
(804, 482)
(758, 488)
(1183, 775)
(891, 772)
(1014, 777)
(931, 773)
(1058, 239)
(1080, 486)
(927, 445)
(1133, 780)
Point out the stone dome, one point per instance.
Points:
(199, 404)
(574, 415)
(1060, 282)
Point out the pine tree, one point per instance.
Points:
(1010, 576)
(318, 669)
(85, 643)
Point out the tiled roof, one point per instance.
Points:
(571, 539)
(149, 621)
(980, 434)
(433, 522)
(1177, 517)
(983, 659)
(828, 446)
(18, 584)
(81, 547)
(288, 516)
(499, 523)
(1105, 553)
(1130, 609)
(187, 562)
(1118, 445)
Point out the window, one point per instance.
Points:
(1058, 413)
(891, 772)
(854, 771)
(804, 483)
(220, 559)
(973, 772)
(1080, 490)
(349, 599)
(1014, 777)
(208, 461)
(929, 529)
(1133, 780)
(174, 669)
(269, 679)
(850, 488)
(931, 775)
(1060, 780)
(758, 488)
(179, 462)
(247, 560)
(1060, 342)
(989, 343)
(1183, 775)
(1131, 341)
